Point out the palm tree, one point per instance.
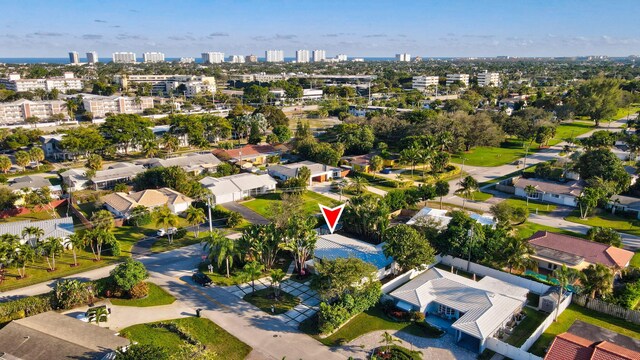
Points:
(195, 216)
(36, 155)
(425, 155)
(410, 156)
(99, 314)
(150, 149)
(388, 340)
(565, 277)
(517, 254)
(77, 241)
(530, 190)
(166, 219)
(252, 271)
(597, 280)
(358, 184)
(32, 232)
(221, 248)
(72, 107)
(442, 189)
(468, 186)
(22, 159)
(51, 247)
(5, 164)
(276, 280)
(23, 254)
(170, 143)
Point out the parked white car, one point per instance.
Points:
(162, 232)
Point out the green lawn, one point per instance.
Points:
(542, 208)
(477, 196)
(261, 299)
(606, 219)
(157, 296)
(215, 338)
(635, 260)
(33, 216)
(262, 204)
(524, 330)
(573, 129)
(218, 276)
(575, 312)
(419, 174)
(527, 229)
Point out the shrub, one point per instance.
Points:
(139, 290)
(129, 274)
(417, 316)
(70, 293)
(234, 219)
(28, 306)
(331, 316)
(181, 233)
(114, 249)
(142, 351)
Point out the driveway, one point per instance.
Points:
(249, 215)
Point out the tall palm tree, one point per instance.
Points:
(358, 184)
(468, 186)
(99, 314)
(221, 249)
(410, 156)
(32, 232)
(388, 340)
(77, 241)
(72, 107)
(276, 281)
(252, 271)
(195, 216)
(5, 164)
(517, 254)
(170, 143)
(166, 219)
(51, 247)
(36, 155)
(565, 277)
(426, 154)
(150, 149)
(597, 280)
(530, 190)
(24, 254)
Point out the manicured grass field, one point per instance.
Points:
(524, 330)
(477, 196)
(34, 216)
(262, 204)
(575, 312)
(635, 260)
(606, 219)
(527, 229)
(542, 208)
(260, 299)
(218, 276)
(157, 296)
(215, 338)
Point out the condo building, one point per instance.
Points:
(423, 82)
(63, 84)
(486, 78)
(302, 56)
(99, 106)
(74, 59)
(166, 84)
(92, 58)
(236, 59)
(213, 57)
(274, 55)
(17, 112)
(153, 57)
(404, 57)
(124, 58)
(319, 55)
(463, 78)
(251, 58)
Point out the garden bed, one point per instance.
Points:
(265, 300)
(395, 352)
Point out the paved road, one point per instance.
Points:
(249, 215)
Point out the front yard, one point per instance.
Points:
(157, 296)
(262, 204)
(534, 206)
(606, 219)
(524, 231)
(263, 299)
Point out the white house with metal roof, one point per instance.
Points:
(237, 187)
(334, 246)
(319, 172)
(60, 228)
(192, 163)
(440, 218)
(475, 310)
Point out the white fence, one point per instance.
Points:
(397, 282)
(545, 324)
(608, 308)
(533, 286)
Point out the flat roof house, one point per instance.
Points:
(474, 310)
(554, 250)
(193, 163)
(237, 187)
(115, 173)
(51, 335)
(121, 204)
(550, 191)
(319, 172)
(626, 204)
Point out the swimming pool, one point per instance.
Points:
(545, 278)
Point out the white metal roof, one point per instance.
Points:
(62, 227)
(335, 246)
(239, 182)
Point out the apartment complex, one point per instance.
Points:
(236, 59)
(251, 58)
(194, 84)
(423, 82)
(463, 78)
(124, 58)
(153, 57)
(99, 106)
(187, 60)
(18, 111)
(302, 56)
(341, 57)
(74, 59)
(404, 57)
(319, 55)
(486, 78)
(213, 57)
(63, 84)
(274, 55)
(92, 58)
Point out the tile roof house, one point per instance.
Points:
(319, 172)
(239, 186)
(61, 228)
(476, 310)
(549, 191)
(51, 335)
(192, 163)
(554, 250)
(121, 204)
(584, 341)
(255, 154)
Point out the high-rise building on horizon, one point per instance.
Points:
(404, 57)
(274, 55)
(152, 57)
(187, 60)
(236, 59)
(251, 58)
(341, 57)
(302, 56)
(92, 58)
(74, 58)
(319, 55)
(213, 57)
(124, 57)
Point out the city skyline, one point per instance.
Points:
(431, 29)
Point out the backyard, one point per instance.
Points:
(262, 204)
(535, 207)
(606, 219)
(524, 330)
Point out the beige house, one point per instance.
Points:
(121, 204)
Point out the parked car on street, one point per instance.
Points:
(201, 279)
(162, 232)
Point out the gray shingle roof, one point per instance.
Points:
(573, 188)
(189, 161)
(118, 171)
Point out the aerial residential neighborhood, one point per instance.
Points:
(351, 180)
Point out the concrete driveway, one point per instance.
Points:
(249, 215)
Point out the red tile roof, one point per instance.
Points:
(250, 151)
(592, 252)
(567, 346)
(609, 351)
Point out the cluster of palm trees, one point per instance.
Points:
(21, 250)
(596, 280)
(23, 159)
(428, 152)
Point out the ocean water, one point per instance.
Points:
(65, 60)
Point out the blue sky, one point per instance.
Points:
(46, 28)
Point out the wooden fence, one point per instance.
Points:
(607, 308)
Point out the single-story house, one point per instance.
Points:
(192, 163)
(33, 182)
(554, 250)
(334, 246)
(255, 154)
(475, 310)
(587, 341)
(550, 191)
(51, 335)
(362, 163)
(114, 174)
(319, 172)
(120, 204)
(439, 216)
(75, 179)
(625, 203)
(60, 228)
(237, 187)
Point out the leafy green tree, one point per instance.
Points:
(103, 220)
(376, 163)
(340, 276)
(83, 140)
(262, 242)
(283, 133)
(508, 215)
(604, 164)
(7, 198)
(598, 98)
(408, 248)
(69, 293)
(250, 272)
(5, 163)
(588, 200)
(255, 136)
(221, 249)
(597, 280)
(129, 274)
(605, 235)
(441, 190)
(126, 130)
(516, 253)
(94, 162)
(274, 115)
(366, 216)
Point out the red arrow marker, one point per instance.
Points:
(332, 215)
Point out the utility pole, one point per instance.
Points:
(470, 235)
(209, 206)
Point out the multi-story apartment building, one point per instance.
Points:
(99, 106)
(423, 82)
(274, 55)
(341, 57)
(187, 60)
(124, 58)
(92, 58)
(251, 58)
(165, 84)
(404, 57)
(18, 111)
(153, 57)
(302, 56)
(213, 57)
(319, 55)
(63, 84)
(74, 59)
(236, 59)
(486, 78)
(463, 78)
